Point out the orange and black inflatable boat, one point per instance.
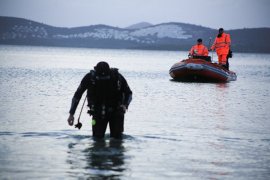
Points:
(200, 70)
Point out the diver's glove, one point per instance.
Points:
(123, 108)
(70, 120)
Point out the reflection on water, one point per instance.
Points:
(104, 159)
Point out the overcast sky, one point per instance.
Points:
(230, 14)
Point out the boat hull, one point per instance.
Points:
(199, 70)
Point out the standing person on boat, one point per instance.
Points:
(108, 96)
(222, 45)
(199, 49)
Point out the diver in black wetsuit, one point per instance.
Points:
(108, 96)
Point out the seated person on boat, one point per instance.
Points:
(199, 51)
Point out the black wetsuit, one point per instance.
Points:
(105, 95)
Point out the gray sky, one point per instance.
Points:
(230, 14)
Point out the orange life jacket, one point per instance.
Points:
(222, 44)
(199, 50)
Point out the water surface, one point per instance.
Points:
(172, 130)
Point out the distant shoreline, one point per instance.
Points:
(10, 45)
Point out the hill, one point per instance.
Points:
(165, 36)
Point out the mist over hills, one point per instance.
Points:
(165, 36)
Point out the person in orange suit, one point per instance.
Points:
(199, 49)
(222, 45)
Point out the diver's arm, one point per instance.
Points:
(78, 94)
(127, 92)
(76, 99)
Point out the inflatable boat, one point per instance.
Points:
(201, 70)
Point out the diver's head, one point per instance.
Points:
(102, 68)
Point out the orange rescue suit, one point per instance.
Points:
(199, 50)
(222, 46)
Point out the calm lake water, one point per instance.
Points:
(173, 130)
